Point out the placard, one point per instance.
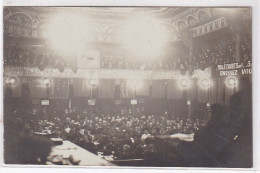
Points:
(45, 102)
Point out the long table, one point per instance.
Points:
(85, 157)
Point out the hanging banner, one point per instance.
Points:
(233, 69)
(209, 27)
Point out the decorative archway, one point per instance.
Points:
(22, 19)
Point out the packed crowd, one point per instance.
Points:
(220, 52)
(121, 136)
(125, 135)
(223, 52)
(37, 57)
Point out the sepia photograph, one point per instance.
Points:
(128, 86)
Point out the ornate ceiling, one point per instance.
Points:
(106, 21)
(33, 18)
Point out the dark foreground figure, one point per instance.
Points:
(221, 144)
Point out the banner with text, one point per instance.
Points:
(233, 69)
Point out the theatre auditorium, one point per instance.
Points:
(128, 86)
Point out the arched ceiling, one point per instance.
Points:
(170, 16)
(29, 21)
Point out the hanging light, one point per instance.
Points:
(204, 83)
(184, 83)
(231, 81)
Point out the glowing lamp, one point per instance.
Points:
(208, 104)
(231, 81)
(188, 102)
(184, 83)
(204, 83)
(12, 80)
(46, 81)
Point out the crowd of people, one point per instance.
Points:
(223, 52)
(220, 52)
(37, 57)
(122, 136)
(151, 138)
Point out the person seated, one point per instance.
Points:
(125, 153)
(145, 135)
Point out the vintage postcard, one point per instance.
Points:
(128, 86)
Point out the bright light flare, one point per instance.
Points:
(184, 83)
(204, 83)
(66, 33)
(144, 37)
(231, 82)
(11, 80)
(45, 82)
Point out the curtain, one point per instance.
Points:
(173, 90)
(158, 89)
(59, 88)
(125, 90)
(144, 89)
(37, 88)
(107, 89)
(191, 91)
(81, 87)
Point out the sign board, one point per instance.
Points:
(133, 102)
(233, 69)
(45, 102)
(92, 102)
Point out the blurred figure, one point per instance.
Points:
(150, 156)
(209, 141)
(241, 126)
